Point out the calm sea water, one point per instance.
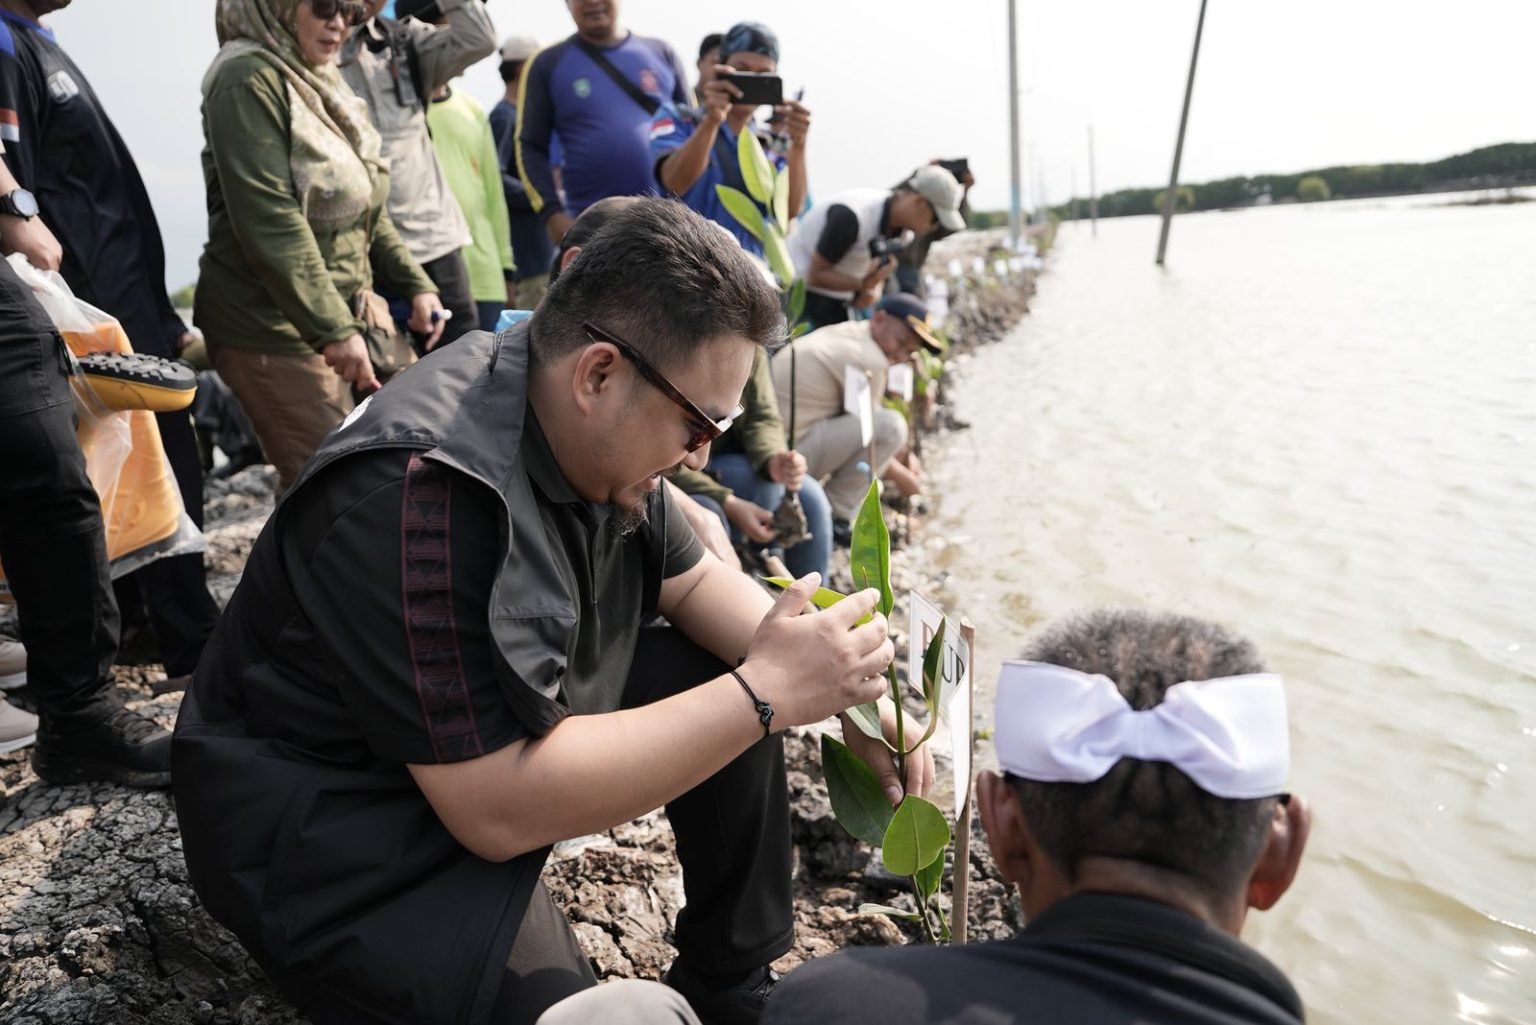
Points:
(1317, 425)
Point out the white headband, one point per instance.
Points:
(1058, 725)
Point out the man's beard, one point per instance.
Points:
(629, 518)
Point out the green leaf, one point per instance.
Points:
(777, 254)
(886, 909)
(796, 300)
(928, 879)
(871, 552)
(756, 172)
(780, 204)
(739, 206)
(933, 660)
(822, 598)
(798, 330)
(867, 718)
(857, 798)
(917, 835)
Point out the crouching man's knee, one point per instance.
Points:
(622, 1002)
(890, 430)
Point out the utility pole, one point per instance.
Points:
(1074, 197)
(1093, 187)
(1015, 231)
(1170, 198)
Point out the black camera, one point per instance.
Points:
(880, 247)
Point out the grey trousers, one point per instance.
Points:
(833, 454)
(622, 1002)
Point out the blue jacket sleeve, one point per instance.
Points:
(682, 92)
(535, 124)
(504, 128)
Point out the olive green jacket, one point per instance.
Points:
(268, 281)
(759, 434)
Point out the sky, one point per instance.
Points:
(894, 83)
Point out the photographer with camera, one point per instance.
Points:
(695, 150)
(909, 262)
(846, 247)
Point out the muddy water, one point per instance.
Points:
(1319, 426)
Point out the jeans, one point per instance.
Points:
(736, 473)
(52, 542)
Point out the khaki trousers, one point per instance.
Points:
(530, 290)
(833, 454)
(293, 401)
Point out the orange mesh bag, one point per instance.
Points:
(124, 458)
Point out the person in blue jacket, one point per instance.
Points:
(597, 90)
(531, 248)
(695, 151)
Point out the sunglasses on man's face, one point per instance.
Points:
(703, 429)
(353, 12)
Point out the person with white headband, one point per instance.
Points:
(1141, 811)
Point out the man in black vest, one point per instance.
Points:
(1135, 871)
(434, 667)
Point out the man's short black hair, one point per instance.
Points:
(584, 227)
(1142, 811)
(665, 280)
(510, 70)
(711, 42)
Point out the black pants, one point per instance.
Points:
(51, 537)
(821, 310)
(732, 842)
(451, 277)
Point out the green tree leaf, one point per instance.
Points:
(886, 909)
(917, 835)
(798, 330)
(780, 205)
(777, 254)
(928, 879)
(867, 718)
(871, 552)
(822, 598)
(756, 172)
(857, 798)
(796, 301)
(739, 206)
(933, 660)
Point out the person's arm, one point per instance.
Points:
(681, 157)
(535, 124)
(504, 130)
(28, 236)
(247, 127)
(392, 263)
(445, 52)
(760, 429)
(495, 198)
(591, 772)
(798, 123)
(19, 105)
(682, 92)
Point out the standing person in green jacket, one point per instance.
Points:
(297, 230)
(466, 149)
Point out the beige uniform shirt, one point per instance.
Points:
(820, 359)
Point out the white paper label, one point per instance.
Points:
(856, 400)
(954, 686)
(898, 381)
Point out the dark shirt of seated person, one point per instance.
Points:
(1135, 872)
(434, 667)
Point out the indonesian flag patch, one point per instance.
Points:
(662, 126)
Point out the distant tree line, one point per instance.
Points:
(1506, 164)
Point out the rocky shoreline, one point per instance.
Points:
(98, 923)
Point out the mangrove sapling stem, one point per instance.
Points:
(922, 909)
(901, 729)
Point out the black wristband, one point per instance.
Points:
(764, 709)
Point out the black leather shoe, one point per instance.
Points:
(125, 748)
(739, 1003)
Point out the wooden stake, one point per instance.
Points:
(960, 910)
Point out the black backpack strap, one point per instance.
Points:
(649, 104)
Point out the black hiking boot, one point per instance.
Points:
(736, 1001)
(125, 747)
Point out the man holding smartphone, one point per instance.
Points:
(694, 151)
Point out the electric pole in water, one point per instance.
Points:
(1093, 187)
(1015, 220)
(1170, 198)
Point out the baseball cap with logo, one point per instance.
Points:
(915, 312)
(940, 188)
(518, 48)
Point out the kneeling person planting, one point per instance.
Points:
(434, 667)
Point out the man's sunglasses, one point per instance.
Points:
(704, 429)
(353, 12)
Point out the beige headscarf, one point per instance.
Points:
(334, 149)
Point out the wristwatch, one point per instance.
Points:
(19, 203)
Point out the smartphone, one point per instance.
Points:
(757, 89)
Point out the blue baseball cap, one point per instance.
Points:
(915, 312)
(750, 37)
